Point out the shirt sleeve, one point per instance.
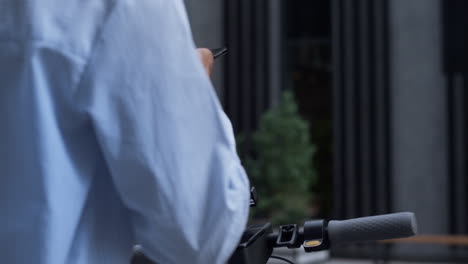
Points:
(167, 142)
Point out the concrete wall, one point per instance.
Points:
(419, 115)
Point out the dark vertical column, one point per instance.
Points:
(247, 69)
(365, 108)
(361, 85)
(261, 56)
(361, 112)
(233, 66)
(458, 193)
(254, 36)
(275, 48)
(381, 73)
(339, 191)
(350, 106)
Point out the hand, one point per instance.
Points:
(207, 59)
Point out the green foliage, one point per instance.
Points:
(280, 163)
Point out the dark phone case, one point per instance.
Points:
(219, 52)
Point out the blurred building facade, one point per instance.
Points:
(399, 102)
(249, 79)
(400, 117)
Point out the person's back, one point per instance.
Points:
(111, 136)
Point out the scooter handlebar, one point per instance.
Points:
(371, 228)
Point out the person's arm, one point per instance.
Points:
(165, 138)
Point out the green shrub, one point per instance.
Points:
(279, 163)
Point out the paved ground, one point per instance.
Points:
(323, 258)
(357, 261)
(341, 261)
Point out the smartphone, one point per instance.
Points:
(219, 52)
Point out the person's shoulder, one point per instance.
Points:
(70, 26)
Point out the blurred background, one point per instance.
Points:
(349, 108)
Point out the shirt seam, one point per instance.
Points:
(95, 40)
(52, 44)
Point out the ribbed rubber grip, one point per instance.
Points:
(379, 227)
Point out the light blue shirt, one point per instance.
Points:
(112, 135)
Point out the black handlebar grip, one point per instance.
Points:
(370, 228)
